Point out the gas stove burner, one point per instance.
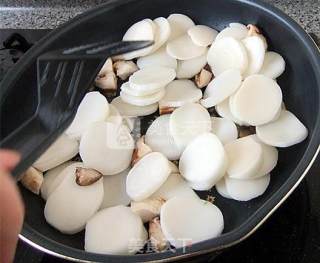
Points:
(13, 48)
(16, 42)
(13, 44)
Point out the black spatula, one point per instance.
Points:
(64, 76)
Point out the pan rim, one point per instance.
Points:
(243, 231)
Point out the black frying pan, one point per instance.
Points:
(300, 85)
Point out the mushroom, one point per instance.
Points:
(165, 109)
(147, 209)
(124, 69)
(32, 180)
(244, 131)
(141, 150)
(86, 176)
(157, 238)
(203, 78)
(106, 68)
(107, 82)
(255, 31)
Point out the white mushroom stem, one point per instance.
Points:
(32, 180)
(147, 209)
(203, 78)
(124, 69)
(157, 238)
(141, 150)
(107, 81)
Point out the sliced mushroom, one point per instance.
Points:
(32, 180)
(244, 131)
(163, 109)
(203, 78)
(86, 176)
(148, 208)
(173, 166)
(141, 150)
(253, 30)
(107, 82)
(124, 69)
(156, 236)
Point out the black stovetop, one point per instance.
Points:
(291, 235)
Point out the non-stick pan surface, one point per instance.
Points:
(300, 85)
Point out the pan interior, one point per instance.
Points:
(299, 86)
